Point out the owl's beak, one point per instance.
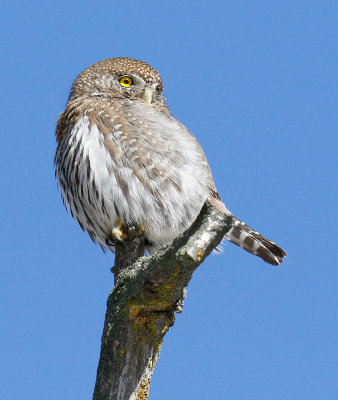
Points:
(148, 94)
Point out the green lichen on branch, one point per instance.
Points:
(144, 390)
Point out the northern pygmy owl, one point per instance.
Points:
(123, 160)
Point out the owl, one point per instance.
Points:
(122, 160)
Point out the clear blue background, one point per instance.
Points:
(255, 82)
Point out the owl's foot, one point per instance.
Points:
(117, 233)
(140, 231)
(121, 232)
(134, 231)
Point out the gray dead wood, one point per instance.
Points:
(141, 308)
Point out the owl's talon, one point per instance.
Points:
(122, 233)
(140, 231)
(117, 232)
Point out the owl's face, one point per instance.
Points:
(122, 77)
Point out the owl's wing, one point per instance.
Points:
(205, 165)
(159, 150)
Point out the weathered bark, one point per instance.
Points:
(142, 306)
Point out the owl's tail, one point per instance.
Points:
(253, 242)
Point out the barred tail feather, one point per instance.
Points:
(253, 242)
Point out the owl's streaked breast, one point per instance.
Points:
(129, 160)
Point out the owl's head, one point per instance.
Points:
(120, 76)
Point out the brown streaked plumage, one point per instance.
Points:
(122, 159)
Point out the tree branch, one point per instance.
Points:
(142, 306)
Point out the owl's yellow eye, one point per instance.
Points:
(126, 81)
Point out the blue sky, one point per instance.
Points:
(254, 81)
